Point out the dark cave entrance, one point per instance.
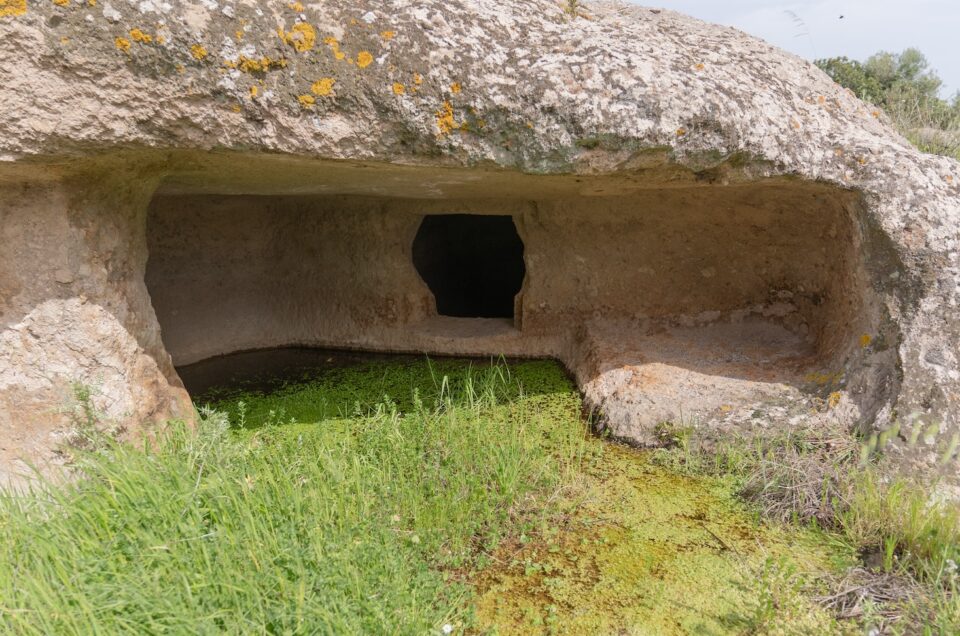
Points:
(472, 263)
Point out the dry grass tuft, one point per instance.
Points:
(805, 477)
(883, 596)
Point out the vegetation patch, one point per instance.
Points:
(641, 549)
(907, 539)
(348, 519)
(405, 497)
(905, 87)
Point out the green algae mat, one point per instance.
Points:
(646, 551)
(344, 494)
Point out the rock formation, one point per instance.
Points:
(713, 232)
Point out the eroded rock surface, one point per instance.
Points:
(713, 230)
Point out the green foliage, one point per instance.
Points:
(853, 75)
(643, 550)
(895, 517)
(908, 90)
(332, 525)
(671, 435)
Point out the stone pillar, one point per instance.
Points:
(74, 310)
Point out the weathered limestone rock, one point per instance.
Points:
(74, 310)
(713, 230)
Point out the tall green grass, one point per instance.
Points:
(328, 524)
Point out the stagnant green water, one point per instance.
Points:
(647, 551)
(599, 539)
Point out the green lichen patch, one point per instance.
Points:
(642, 550)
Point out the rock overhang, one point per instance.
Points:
(780, 262)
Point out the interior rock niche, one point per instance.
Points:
(689, 297)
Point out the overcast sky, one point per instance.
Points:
(868, 26)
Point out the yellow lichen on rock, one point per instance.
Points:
(253, 65)
(140, 36)
(122, 44)
(198, 52)
(364, 59)
(834, 399)
(61, 3)
(824, 379)
(456, 87)
(388, 35)
(445, 121)
(302, 37)
(10, 8)
(399, 89)
(865, 341)
(307, 101)
(335, 47)
(323, 86)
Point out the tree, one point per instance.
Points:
(853, 75)
(905, 86)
